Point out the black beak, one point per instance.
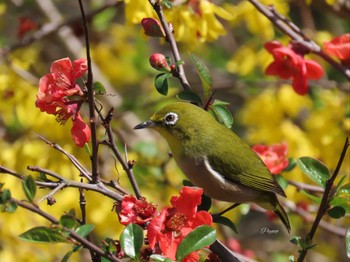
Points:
(146, 124)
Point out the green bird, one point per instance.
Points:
(216, 159)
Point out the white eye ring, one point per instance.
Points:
(170, 118)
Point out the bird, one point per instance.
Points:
(215, 159)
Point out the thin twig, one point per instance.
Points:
(72, 158)
(99, 187)
(111, 143)
(303, 186)
(170, 38)
(324, 202)
(91, 99)
(58, 188)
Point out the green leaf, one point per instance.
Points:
(204, 75)
(314, 169)
(161, 83)
(42, 177)
(291, 164)
(10, 207)
(99, 88)
(131, 240)
(222, 114)
(68, 221)
(312, 197)
(43, 235)
(160, 258)
(344, 190)
(344, 202)
(189, 96)
(200, 237)
(336, 212)
(167, 3)
(29, 188)
(67, 256)
(282, 181)
(347, 243)
(205, 204)
(300, 242)
(84, 230)
(87, 149)
(227, 222)
(187, 183)
(179, 62)
(5, 196)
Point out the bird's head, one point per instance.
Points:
(179, 123)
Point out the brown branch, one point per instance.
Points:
(324, 202)
(99, 187)
(91, 99)
(111, 143)
(171, 40)
(303, 186)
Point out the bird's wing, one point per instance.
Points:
(257, 178)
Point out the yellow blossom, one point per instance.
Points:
(190, 24)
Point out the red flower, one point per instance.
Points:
(133, 210)
(55, 94)
(168, 229)
(25, 25)
(340, 47)
(80, 131)
(274, 157)
(289, 64)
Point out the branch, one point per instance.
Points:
(127, 166)
(170, 38)
(98, 187)
(296, 34)
(303, 186)
(325, 200)
(53, 27)
(87, 244)
(91, 99)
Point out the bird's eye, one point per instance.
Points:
(170, 118)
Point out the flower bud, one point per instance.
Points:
(159, 62)
(152, 27)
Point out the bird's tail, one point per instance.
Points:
(281, 213)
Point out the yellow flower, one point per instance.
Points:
(191, 22)
(256, 22)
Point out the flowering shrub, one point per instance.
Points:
(59, 95)
(173, 223)
(289, 63)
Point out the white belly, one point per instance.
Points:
(214, 185)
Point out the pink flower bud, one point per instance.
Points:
(152, 27)
(159, 62)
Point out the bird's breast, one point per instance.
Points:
(201, 174)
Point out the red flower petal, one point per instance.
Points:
(314, 70)
(187, 202)
(339, 47)
(272, 45)
(80, 132)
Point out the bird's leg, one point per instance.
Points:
(225, 210)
